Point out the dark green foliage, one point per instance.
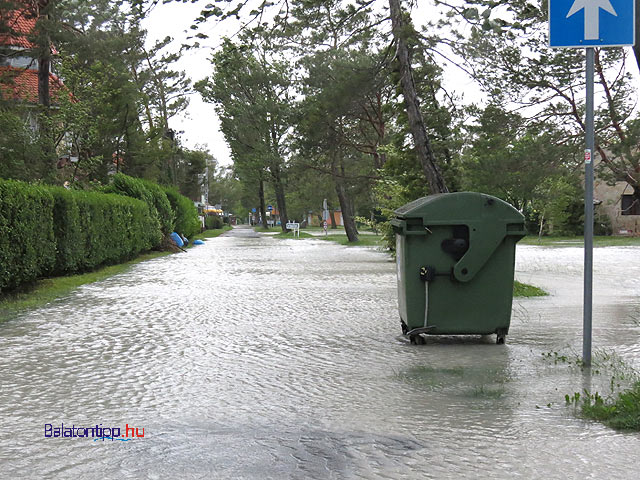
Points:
(68, 230)
(166, 215)
(27, 242)
(50, 230)
(622, 413)
(21, 149)
(137, 188)
(115, 228)
(213, 222)
(186, 214)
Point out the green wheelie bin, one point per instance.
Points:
(455, 257)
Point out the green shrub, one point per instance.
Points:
(186, 214)
(115, 228)
(166, 214)
(213, 222)
(27, 242)
(70, 248)
(50, 230)
(136, 188)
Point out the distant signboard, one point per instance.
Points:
(269, 207)
(294, 226)
(253, 210)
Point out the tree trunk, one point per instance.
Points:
(412, 104)
(263, 208)
(636, 47)
(44, 58)
(44, 94)
(280, 196)
(343, 198)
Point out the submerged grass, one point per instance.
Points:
(363, 240)
(487, 391)
(210, 233)
(45, 290)
(525, 290)
(621, 412)
(599, 241)
(618, 409)
(292, 235)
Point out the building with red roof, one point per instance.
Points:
(18, 67)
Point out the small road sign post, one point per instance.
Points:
(588, 24)
(295, 227)
(325, 215)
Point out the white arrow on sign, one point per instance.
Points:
(591, 15)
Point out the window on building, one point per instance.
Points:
(630, 205)
(24, 62)
(18, 62)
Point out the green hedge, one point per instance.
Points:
(27, 242)
(48, 230)
(187, 222)
(166, 214)
(51, 230)
(213, 222)
(172, 210)
(114, 229)
(136, 188)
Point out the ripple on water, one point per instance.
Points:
(260, 358)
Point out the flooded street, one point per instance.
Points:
(252, 357)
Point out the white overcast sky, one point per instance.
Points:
(200, 124)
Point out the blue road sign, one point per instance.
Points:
(270, 207)
(591, 23)
(253, 210)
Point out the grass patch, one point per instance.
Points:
(363, 240)
(525, 290)
(44, 291)
(621, 412)
(210, 234)
(485, 391)
(620, 408)
(292, 235)
(600, 241)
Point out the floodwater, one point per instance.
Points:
(252, 357)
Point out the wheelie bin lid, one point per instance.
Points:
(460, 207)
(489, 221)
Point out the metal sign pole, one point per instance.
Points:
(588, 24)
(588, 213)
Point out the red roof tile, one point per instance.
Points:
(21, 84)
(19, 24)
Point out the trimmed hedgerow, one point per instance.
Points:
(70, 249)
(27, 242)
(50, 230)
(166, 215)
(115, 228)
(186, 214)
(47, 230)
(135, 188)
